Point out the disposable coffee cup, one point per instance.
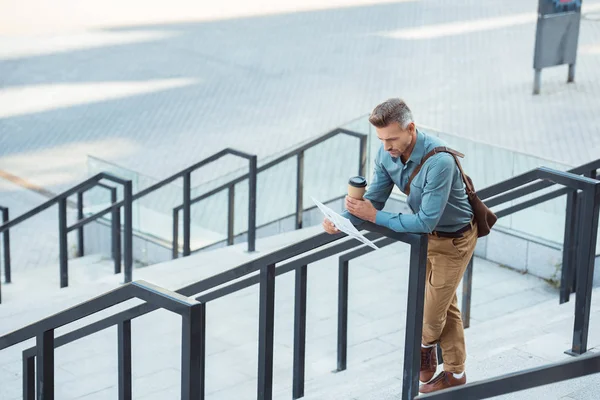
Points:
(357, 185)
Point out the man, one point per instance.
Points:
(441, 208)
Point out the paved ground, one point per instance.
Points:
(158, 89)
(517, 313)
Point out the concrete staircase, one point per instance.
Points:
(516, 323)
(36, 293)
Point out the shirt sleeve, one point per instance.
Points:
(438, 184)
(377, 193)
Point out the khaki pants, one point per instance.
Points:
(447, 260)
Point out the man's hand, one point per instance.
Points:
(329, 227)
(362, 209)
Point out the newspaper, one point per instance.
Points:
(343, 224)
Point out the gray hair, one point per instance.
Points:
(391, 110)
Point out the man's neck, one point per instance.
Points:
(406, 155)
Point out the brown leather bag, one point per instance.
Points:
(484, 217)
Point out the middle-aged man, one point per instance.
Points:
(440, 208)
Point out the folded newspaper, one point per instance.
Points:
(343, 224)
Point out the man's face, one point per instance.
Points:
(395, 139)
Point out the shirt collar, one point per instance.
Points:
(419, 150)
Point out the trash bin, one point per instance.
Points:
(556, 37)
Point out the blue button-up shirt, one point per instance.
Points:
(437, 194)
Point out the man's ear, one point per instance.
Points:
(411, 127)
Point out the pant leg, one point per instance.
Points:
(452, 340)
(447, 261)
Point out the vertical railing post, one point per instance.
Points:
(362, 160)
(175, 233)
(252, 181)
(116, 232)
(571, 74)
(63, 247)
(342, 333)
(266, 332)
(80, 238)
(299, 190)
(537, 81)
(187, 213)
(193, 353)
(569, 248)
(124, 349)
(576, 255)
(28, 377)
(299, 332)
(467, 289)
(588, 234)
(230, 215)
(128, 230)
(45, 365)
(414, 318)
(6, 249)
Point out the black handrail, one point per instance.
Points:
(5, 248)
(266, 279)
(192, 347)
(587, 235)
(557, 372)
(581, 225)
(343, 276)
(64, 229)
(499, 188)
(115, 227)
(266, 266)
(497, 194)
(6, 244)
(186, 174)
(298, 152)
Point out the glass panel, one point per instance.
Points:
(209, 221)
(327, 168)
(99, 198)
(545, 220)
(156, 209)
(276, 195)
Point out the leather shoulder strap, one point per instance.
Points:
(441, 149)
(468, 183)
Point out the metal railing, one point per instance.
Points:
(129, 197)
(114, 208)
(115, 226)
(557, 372)
(5, 248)
(496, 194)
(38, 371)
(574, 203)
(297, 152)
(581, 230)
(64, 229)
(265, 270)
(186, 174)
